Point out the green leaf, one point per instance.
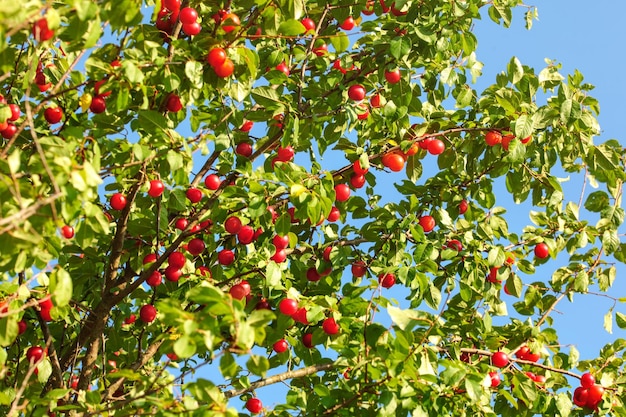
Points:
(8, 330)
(608, 321)
(185, 347)
(194, 71)
(524, 126)
(620, 319)
(291, 27)
(61, 287)
(340, 42)
(399, 47)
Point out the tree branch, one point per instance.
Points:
(298, 373)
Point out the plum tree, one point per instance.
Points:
(243, 150)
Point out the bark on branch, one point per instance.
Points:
(298, 373)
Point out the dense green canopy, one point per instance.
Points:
(181, 193)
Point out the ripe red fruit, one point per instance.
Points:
(21, 327)
(307, 340)
(387, 280)
(495, 379)
(245, 236)
(188, 15)
(375, 101)
(98, 105)
(587, 380)
(356, 167)
(342, 192)
(542, 251)
(500, 359)
(173, 273)
(282, 67)
(230, 22)
(358, 268)
(300, 316)
(246, 126)
(280, 346)
(118, 201)
(130, 319)
(67, 232)
(326, 253)
(225, 69)
(455, 244)
(226, 257)
(493, 275)
(357, 181)
(181, 224)
(288, 306)
(423, 143)
(348, 23)
(526, 139)
(149, 258)
(280, 242)
(176, 259)
(393, 76)
(493, 138)
(147, 313)
(156, 188)
(330, 326)
(279, 256)
(427, 222)
(463, 205)
(394, 161)
(285, 154)
(312, 274)
(356, 92)
(254, 405)
(216, 57)
(173, 5)
(244, 149)
(193, 194)
(192, 29)
(9, 131)
(436, 147)
(308, 24)
(155, 279)
(580, 396)
(53, 115)
(34, 354)
(334, 214)
(15, 112)
(232, 225)
(595, 396)
(41, 31)
(238, 292)
(173, 103)
(212, 182)
(196, 246)
(506, 140)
